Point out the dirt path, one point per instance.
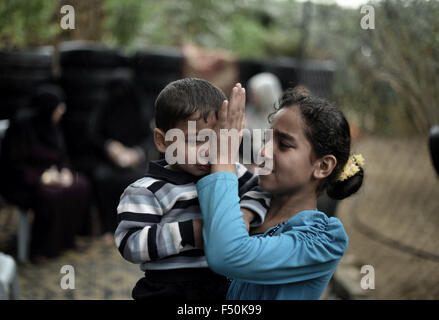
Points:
(399, 201)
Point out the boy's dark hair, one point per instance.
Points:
(328, 131)
(182, 98)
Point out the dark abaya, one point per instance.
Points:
(124, 118)
(30, 147)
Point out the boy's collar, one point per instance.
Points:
(157, 170)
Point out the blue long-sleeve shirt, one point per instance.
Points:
(294, 260)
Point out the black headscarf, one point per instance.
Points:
(43, 103)
(124, 118)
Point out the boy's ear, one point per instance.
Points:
(159, 140)
(324, 166)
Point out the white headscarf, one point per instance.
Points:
(264, 90)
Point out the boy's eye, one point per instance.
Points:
(284, 145)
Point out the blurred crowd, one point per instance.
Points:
(38, 174)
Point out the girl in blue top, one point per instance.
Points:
(293, 254)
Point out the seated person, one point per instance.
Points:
(36, 174)
(121, 137)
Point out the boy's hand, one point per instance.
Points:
(228, 129)
(248, 217)
(66, 177)
(50, 176)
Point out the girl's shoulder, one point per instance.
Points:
(313, 218)
(314, 225)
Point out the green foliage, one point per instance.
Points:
(246, 37)
(388, 74)
(237, 26)
(123, 21)
(26, 23)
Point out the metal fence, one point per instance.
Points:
(393, 222)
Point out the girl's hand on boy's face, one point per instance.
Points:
(231, 118)
(231, 114)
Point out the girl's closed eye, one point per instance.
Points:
(281, 144)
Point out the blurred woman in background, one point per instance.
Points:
(264, 90)
(36, 175)
(122, 138)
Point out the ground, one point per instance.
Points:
(398, 204)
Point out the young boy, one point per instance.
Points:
(159, 216)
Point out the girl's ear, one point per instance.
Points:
(159, 140)
(324, 166)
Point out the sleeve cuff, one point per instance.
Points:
(259, 216)
(205, 181)
(187, 233)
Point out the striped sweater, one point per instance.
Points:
(155, 216)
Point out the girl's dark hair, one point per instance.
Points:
(182, 98)
(327, 130)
